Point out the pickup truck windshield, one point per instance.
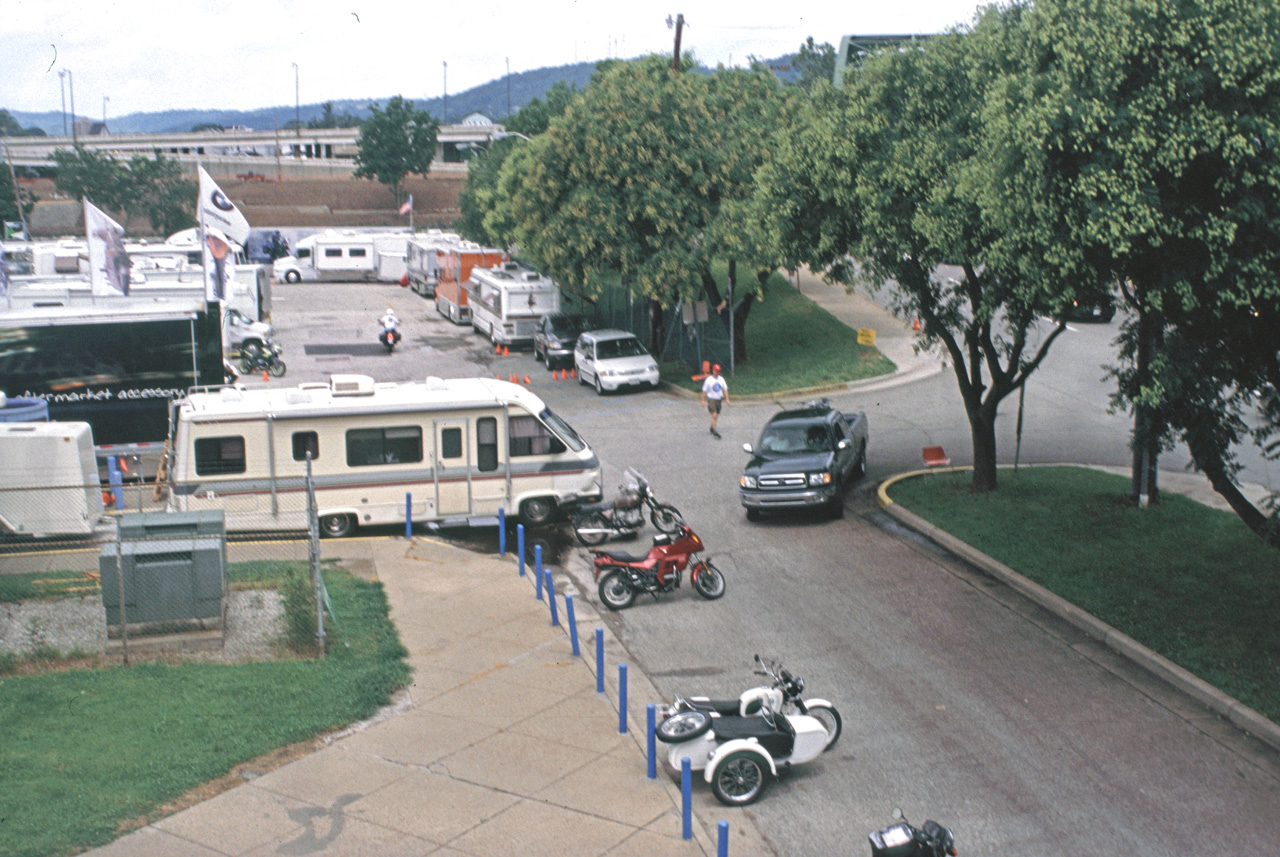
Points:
(784, 439)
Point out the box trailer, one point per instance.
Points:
(48, 480)
(453, 268)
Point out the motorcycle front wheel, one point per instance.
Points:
(830, 720)
(615, 592)
(276, 368)
(247, 365)
(666, 517)
(591, 529)
(683, 726)
(708, 581)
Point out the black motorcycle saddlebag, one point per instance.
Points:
(895, 841)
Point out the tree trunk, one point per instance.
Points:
(657, 328)
(1146, 426)
(1209, 459)
(740, 329)
(982, 430)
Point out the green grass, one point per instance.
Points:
(793, 344)
(1189, 582)
(85, 750)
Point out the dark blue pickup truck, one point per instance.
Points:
(806, 458)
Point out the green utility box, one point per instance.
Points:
(174, 568)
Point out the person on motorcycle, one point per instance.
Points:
(389, 324)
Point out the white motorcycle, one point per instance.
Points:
(742, 744)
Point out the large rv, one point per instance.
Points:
(346, 255)
(507, 302)
(459, 449)
(453, 268)
(421, 259)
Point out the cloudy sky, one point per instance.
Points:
(144, 56)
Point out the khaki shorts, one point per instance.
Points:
(713, 405)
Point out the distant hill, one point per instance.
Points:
(489, 99)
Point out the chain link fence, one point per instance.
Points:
(94, 572)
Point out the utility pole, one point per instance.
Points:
(297, 114)
(71, 85)
(105, 99)
(446, 94)
(62, 85)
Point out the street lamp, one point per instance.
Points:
(105, 99)
(62, 85)
(297, 111)
(446, 94)
(71, 87)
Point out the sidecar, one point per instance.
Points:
(740, 755)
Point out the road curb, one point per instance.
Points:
(1248, 720)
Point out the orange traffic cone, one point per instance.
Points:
(916, 325)
(573, 373)
(513, 377)
(264, 374)
(497, 349)
(526, 380)
(505, 352)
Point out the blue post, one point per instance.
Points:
(116, 479)
(722, 842)
(573, 624)
(502, 531)
(537, 570)
(651, 715)
(599, 660)
(520, 546)
(408, 515)
(686, 795)
(622, 699)
(551, 597)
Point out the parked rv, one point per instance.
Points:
(454, 266)
(507, 302)
(422, 255)
(346, 255)
(48, 480)
(459, 448)
(116, 368)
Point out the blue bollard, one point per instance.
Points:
(537, 570)
(622, 699)
(408, 515)
(502, 531)
(551, 597)
(116, 479)
(573, 624)
(520, 546)
(686, 798)
(722, 839)
(599, 660)
(651, 716)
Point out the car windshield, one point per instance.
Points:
(629, 346)
(784, 439)
(567, 326)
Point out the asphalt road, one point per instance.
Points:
(961, 701)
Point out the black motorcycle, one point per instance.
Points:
(902, 840)
(596, 522)
(267, 357)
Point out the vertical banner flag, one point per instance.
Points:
(108, 262)
(221, 223)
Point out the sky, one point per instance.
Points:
(141, 56)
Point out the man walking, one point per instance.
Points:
(715, 394)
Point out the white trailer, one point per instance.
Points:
(346, 255)
(459, 449)
(507, 302)
(48, 480)
(422, 263)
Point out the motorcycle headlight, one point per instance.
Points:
(823, 478)
(747, 481)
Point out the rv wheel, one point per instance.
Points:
(537, 511)
(292, 276)
(336, 526)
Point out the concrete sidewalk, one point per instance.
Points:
(500, 747)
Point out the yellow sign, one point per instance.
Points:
(866, 336)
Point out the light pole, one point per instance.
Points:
(105, 99)
(62, 85)
(446, 94)
(297, 113)
(71, 86)
(508, 87)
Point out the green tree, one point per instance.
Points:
(162, 193)
(394, 143)
(536, 115)
(206, 126)
(96, 176)
(329, 119)
(890, 171)
(814, 63)
(1146, 144)
(9, 201)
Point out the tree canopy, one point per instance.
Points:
(150, 187)
(395, 142)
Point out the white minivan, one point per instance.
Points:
(613, 359)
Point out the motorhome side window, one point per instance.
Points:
(305, 443)
(527, 436)
(487, 443)
(304, 253)
(357, 253)
(219, 455)
(398, 445)
(451, 443)
(332, 252)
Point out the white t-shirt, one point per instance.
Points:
(714, 387)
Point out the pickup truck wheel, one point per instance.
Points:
(836, 509)
(753, 514)
(860, 469)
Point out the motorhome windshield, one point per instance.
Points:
(563, 429)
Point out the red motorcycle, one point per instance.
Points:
(622, 575)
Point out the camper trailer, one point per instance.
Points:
(346, 255)
(459, 449)
(507, 301)
(48, 480)
(421, 258)
(453, 267)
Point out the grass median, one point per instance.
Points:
(793, 344)
(1189, 582)
(90, 753)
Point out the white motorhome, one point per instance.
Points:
(508, 300)
(346, 255)
(459, 449)
(421, 259)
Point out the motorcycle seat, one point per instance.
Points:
(599, 506)
(778, 740)
(622, 557)
(719, 706)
